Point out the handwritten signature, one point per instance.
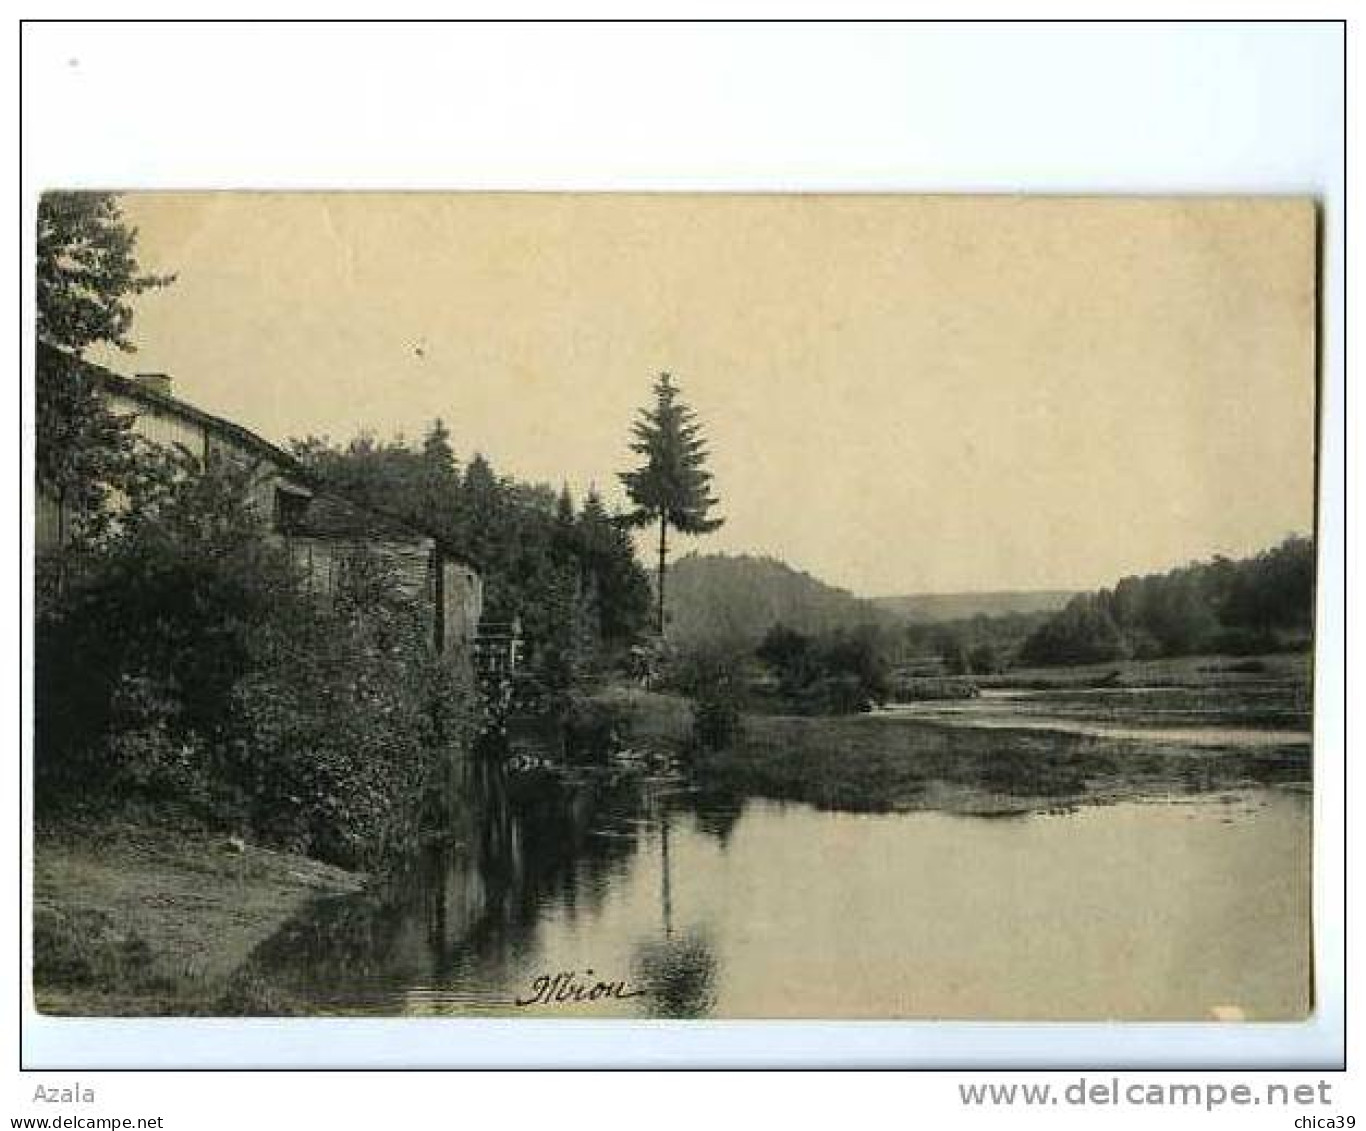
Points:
(569, 987)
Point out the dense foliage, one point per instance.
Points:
(568, 573)
(84, 452)
(86, 271)
(182, 667)
(715, 679)
(86, 275)
(826, 652)
(940, 608)
(835, 673)
(1258, 604)
(977, 645)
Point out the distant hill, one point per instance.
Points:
(932, 608)
(738, 598)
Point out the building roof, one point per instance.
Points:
(331, 516)
(173, 406)
(327, 516)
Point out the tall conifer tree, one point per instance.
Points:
(672, 487)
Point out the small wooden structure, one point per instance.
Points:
(497, 658)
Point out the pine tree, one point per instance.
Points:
(438, 486)
(672, 487)
(436, 447)
(566, 542)
(491, 535)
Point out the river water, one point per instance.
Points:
(679, 903)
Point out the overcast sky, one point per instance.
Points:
(901, 394)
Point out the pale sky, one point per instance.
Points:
(902, 394)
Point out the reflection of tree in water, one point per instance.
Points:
(678, 972)
(536, 848)
(717, 812)
(463, 910)
(468, 904)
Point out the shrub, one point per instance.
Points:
(839, 673)
(139, 647)
(713, 677)
(590, 729)
(985, 659)
(338, 748)
(1081, 633)
(182, 663)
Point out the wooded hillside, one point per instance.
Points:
(737, 598)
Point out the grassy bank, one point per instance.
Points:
(883, 762)
(878, 764)
(136, 920)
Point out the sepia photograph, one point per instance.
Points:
(686, 606)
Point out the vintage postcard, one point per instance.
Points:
(674, 606)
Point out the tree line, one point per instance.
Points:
(566, 571)
(1263, 603)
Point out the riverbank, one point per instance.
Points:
(142, 920)
(883, 764)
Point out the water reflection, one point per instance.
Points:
(465, 911)
(679, 975)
